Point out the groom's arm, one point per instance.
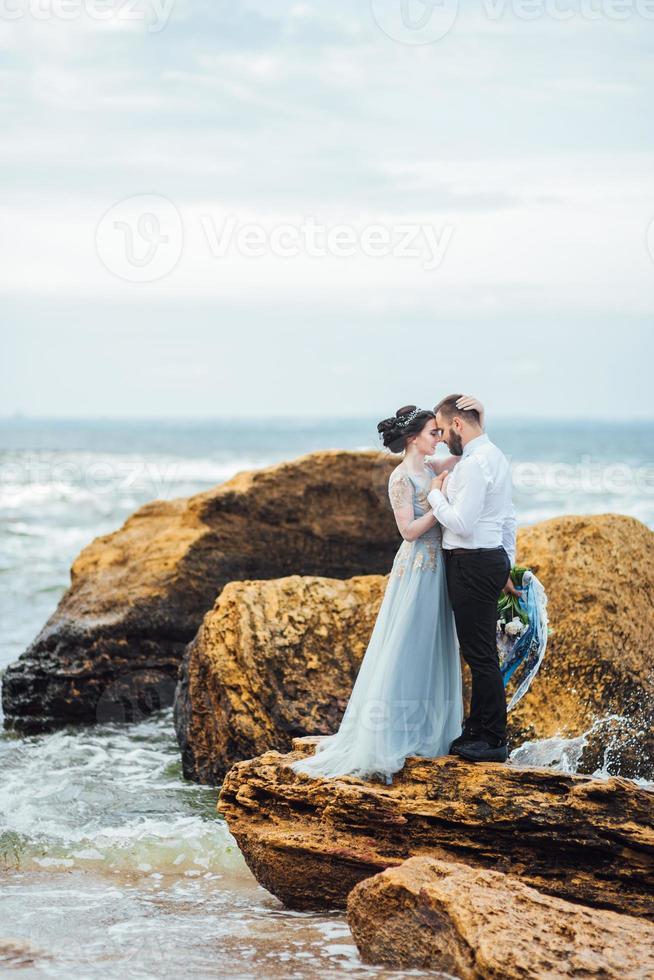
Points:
(462, 515)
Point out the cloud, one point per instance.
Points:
(271, 111)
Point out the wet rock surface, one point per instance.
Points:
(112, 648)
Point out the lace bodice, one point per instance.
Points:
(424, 553)
(405, 488)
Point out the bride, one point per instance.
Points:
(407, 697)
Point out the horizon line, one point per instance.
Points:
(21, 417)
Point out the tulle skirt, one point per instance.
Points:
(407, 698)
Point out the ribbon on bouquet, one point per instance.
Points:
(521, 643)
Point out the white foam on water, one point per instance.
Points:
(48, 479)
(113, 863)
(109, 798)
(564, 754)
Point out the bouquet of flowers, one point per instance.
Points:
(522, 631)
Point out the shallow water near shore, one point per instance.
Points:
(110, 863)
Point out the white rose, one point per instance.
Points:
(515, 628)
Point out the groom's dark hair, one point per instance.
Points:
(447, 407)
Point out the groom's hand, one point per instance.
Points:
(439, 482)
(510, 589)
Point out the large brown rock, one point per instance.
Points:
(309, 841)
(271, 660)
(112, 648)
(484, 925)
(599, 577)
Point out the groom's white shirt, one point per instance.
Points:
(478, 510)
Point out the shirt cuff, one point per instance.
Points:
(435, 498)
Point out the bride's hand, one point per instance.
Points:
(439, 482)
(468, 403)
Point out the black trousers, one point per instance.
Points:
(475, 581)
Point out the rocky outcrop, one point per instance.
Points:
(483, 925)
(600, 580)
(309, 841)
(112, 648)
(278, 659)
(271, 660)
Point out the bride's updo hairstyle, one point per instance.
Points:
(407, 421)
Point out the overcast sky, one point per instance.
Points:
(263, 207)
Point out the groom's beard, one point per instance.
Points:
(454, 443)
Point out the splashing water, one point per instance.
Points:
(605, 736)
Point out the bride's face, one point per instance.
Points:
(427, 439)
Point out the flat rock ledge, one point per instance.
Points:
(483, 925)
(310, 841)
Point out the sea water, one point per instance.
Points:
(110, 863)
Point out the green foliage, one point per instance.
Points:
(517, 573)
(508, 606)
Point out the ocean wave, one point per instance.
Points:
(83, 477)
(108, 798)
(174, 846)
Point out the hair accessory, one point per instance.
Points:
(405, 419)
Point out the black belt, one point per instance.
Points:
(469, 551)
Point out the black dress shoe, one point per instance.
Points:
(481, 751)
(467, 735)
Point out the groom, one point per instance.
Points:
(475, 508)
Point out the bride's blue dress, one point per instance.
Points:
(407, 698)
